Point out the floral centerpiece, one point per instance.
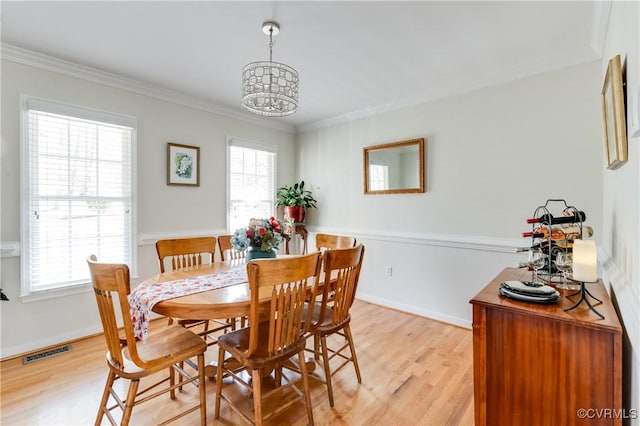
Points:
(261, 235)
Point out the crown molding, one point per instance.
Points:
(600, 21)
(599, 25)
(72, 69)
(532, 68)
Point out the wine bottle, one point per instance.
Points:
(560, 233)
(544, 246)
(548, 246)
(543, 232)
(549, 219)
(576, 232)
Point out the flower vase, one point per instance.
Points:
(256, 253)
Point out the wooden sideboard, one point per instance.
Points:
(535, 364)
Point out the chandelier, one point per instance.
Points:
(270, 88)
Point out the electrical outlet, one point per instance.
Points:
(388, 270)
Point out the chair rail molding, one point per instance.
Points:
(469, 242)
(9, 249)
(151, 238)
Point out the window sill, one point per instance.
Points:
(55, 293)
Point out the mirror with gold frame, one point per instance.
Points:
(613, 114)
(394, 168)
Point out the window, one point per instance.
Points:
(77, 196)
(251, 192)
(378, 177)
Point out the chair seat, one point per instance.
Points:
(169, 344)
(237, 343)
(327, 326)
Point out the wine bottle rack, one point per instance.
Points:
(549, 273)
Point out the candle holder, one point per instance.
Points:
(583, 292)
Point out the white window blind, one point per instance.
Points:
(77, 193)
(252, 170)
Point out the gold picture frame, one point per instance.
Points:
(183, 164)
(394, 168)
(613, 115)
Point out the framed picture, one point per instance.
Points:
(183, 164)
(394, 168)
(613, 115)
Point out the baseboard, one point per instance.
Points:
(51, 341)
(56, 341)
(415, 310)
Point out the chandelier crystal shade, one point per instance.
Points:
(270, 88)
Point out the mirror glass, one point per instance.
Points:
(394, 168)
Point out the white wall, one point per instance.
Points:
(621, 202)
(163, 211)
(493, 156)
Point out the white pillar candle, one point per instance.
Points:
(585, 261)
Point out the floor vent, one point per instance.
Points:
(45, 354)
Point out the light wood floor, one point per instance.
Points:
(415, 371)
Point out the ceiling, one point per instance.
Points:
(353, 58)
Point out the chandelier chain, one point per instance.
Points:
(271, 44)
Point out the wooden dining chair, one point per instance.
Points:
(188, 252)
(341, 272)
(276, 333)
(163, 350)
(329, 241)
(185, 252)
(227, 252)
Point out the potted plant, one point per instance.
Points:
(295, 199)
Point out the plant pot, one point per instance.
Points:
(256, 253)
(295, 212)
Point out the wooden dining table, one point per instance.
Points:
(226, 302)
(231, 301)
